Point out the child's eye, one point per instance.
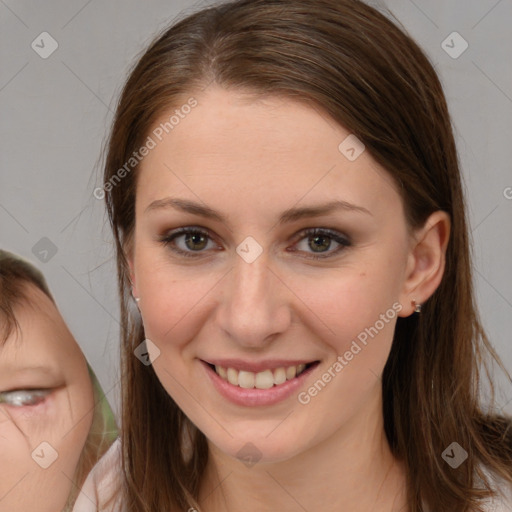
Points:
(24, 397)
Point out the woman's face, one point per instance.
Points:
(252, 290)
(45, 410)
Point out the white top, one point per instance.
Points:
(103, 481)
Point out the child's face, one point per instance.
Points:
(45, 420)
(220, 301)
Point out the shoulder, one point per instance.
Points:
(102, 484)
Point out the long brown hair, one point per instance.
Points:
(352, 62)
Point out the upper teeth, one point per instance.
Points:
(260, 380)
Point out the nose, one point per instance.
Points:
(254, 305)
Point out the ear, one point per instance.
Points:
(425, 262)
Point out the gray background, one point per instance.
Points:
(55, 113)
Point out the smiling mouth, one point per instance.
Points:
(265, 379)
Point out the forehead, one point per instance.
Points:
(272, 151)
(42, 338)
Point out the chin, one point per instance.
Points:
(259, 448)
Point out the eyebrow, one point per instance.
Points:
(37, 369)
(290, 215)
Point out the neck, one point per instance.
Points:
(353, 470)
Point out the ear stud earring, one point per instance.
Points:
(417, 307)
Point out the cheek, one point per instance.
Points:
(62, 420)
(25, 485)
(22, 481)
(80, 417)
(30, 422)
(342, 305)
(15, 458)
(174, 303)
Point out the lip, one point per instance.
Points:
(257, 397)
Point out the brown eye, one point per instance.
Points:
(196, 241)
(189, 241)
(317, 243)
